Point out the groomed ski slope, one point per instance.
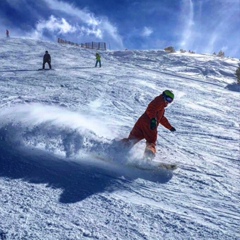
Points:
(54, 123)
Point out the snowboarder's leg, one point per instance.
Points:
(151, 139)
(49, 64)
(134, 137)
(150, 150)
(43, 66)
(129, 142)
(141, 130)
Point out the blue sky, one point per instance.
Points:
(203, 26)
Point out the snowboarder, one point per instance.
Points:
(7, 33)
(146, 125)
(98, 60)
(47, 59)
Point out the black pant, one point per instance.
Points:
(49, 64)
(98, 61)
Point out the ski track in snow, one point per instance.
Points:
(55, 126)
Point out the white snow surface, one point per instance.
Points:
(56, 126)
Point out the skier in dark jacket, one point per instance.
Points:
(47, 59)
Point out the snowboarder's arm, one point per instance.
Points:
(164, 121)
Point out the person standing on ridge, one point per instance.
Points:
(98, 60)
(47, 59)
(146, 125)
(7, 33)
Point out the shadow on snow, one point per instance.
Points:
(78, 180)
(20, 70)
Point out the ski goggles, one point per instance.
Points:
(168, 99)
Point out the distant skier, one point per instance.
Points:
(47, 59)
(146, 125)
(98, 60)
(7, 33)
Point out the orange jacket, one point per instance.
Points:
(156, 109)
(141, 129)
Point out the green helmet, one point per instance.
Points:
(168, 94)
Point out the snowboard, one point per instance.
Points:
(143, 164)
(167, 166)
(40, 69)
(155, 166)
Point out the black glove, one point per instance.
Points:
(173, 129)
(153, 124)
